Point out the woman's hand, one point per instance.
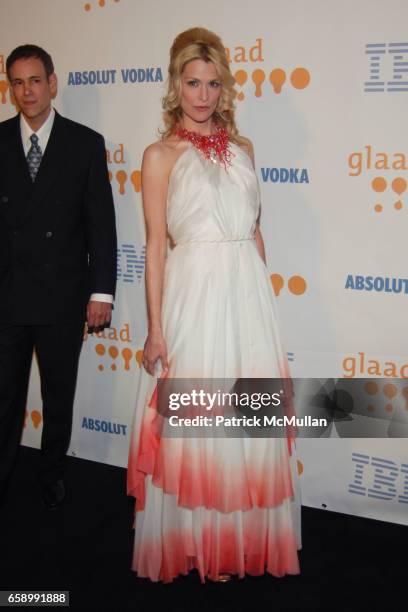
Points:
(154, 349)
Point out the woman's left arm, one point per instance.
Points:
(259, 242)
(249, 149)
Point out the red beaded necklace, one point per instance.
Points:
(214, 147)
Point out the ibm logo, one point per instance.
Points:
(380, 55)
(379, 478)
(130, 263)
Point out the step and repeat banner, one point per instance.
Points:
(322, 93)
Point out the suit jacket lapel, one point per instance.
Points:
(16, 156)
(16, 167)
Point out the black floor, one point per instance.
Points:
(347, 563)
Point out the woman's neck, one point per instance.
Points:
(205, 128)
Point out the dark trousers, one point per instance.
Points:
(57, 348)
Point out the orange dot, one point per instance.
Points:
(121, 177)
(370, 408)
(389, 407)
(100, 349)
(299, 467)
(277, 79)
(405, 392)
(139, 357)
(399, 185)
(113, 367)
(127, 356)
(370, 387)
(379, 184)
(297, 285)
(398, 205)
(36, 418)
(101, 2)
(277, 283)
(378, 208)
(100, 367)
(87, 6)
(240, 77)
(3, 90)
(110, 175)
(136, 179)
(113, 352)
(390, 391)
(300, 78)
(258, 77)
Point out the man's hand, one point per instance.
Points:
(98, 314)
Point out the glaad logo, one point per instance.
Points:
(296, 284)
(383, 284)
(379, 478)
(285, 175)
(104, 426)
(362, 365)
(299, 78)
(378, 54)
(368, 161)
(113, 350)
(121, 177)
(130, 263)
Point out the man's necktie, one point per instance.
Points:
(34, 157)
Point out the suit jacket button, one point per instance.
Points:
(4, 199)
(48, 234)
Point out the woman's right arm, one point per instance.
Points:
(154, 193)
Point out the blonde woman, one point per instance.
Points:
(223, 506)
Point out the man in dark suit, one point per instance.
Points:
(57, 260)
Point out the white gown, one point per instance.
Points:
(220, 505)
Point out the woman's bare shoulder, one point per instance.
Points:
(154, 152)
(164, 151)
(247, 146)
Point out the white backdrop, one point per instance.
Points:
(323, 91)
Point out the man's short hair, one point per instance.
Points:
(27, 51)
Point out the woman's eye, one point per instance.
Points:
(215, 84)
(192, 83)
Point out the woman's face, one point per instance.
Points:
(200, 90)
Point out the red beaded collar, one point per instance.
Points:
(214, 147)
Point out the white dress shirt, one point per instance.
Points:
(43, 135)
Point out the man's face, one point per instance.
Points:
(32, 90)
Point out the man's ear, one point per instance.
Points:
(53, 82)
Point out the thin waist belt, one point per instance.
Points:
(215, 240)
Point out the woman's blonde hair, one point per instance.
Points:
(194, 44)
